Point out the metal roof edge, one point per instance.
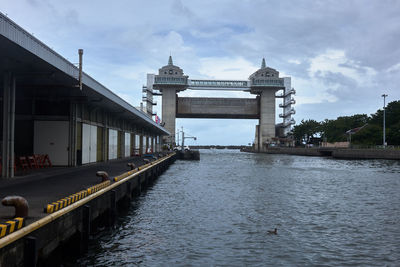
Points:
(16, 34)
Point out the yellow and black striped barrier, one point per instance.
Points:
(124, 175)
(62, 203)
(11, 226)
(98, 187)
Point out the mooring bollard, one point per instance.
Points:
(20, 204)
(103, 175)
(132, 166)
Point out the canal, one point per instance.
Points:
(218, 211)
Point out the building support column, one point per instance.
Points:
(72, 135)
(141, 143)
(8, 125)
(122, 137)
(105, 137)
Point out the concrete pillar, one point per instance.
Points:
(169, 113)
(122, 144)
(105, 137)
(141, 152)
(257, 146)
(72, 135)
(8, 125)
(267, 117)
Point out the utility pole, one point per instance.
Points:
(384, 120)
(80, 52)
(183, 140)
(177, 132)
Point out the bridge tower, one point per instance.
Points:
(264, 83)
(169, 81)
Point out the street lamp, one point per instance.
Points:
(384, 120)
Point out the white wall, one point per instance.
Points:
(112, 144)
(51, 138)
(127, 144)
(89, 143)
(137, 141)
(144, 138)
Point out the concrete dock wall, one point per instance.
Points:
(366, 154)
(35, 243)
(293, 151)
(344, 153)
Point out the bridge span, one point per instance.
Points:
(217, 108)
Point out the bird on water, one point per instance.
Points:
(274, 232)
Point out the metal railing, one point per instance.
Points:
(171, 80)
(290, 112)
(267, 82)
(287, 103)
(219, 83)
(291, 91)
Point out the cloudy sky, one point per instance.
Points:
(342, 55)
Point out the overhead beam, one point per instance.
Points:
(224, 108)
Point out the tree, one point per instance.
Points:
(392, 123)
(306, 130)
(371, 134)
(335, 130)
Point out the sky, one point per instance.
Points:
(342, 55)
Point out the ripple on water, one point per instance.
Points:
(217, 212)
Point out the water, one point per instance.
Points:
(217, 212)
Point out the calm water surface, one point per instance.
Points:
(217, 212)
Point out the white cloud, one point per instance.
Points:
(336, 61)
(394, 68)
(226, 68)
(294, 61)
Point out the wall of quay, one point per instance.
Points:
(340, 153)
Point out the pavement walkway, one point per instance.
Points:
(44, 186)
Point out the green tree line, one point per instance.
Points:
(335, 130)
